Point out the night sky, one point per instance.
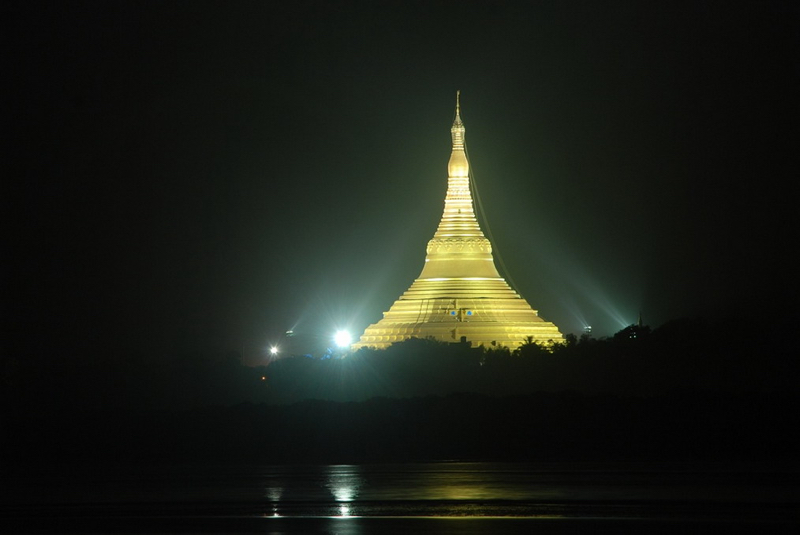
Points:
(184, 176)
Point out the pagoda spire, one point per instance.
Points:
(457, 131)
(459, 238)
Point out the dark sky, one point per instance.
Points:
(206, 175)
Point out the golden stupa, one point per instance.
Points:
(460, 296)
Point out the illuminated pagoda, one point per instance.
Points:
(460, 296)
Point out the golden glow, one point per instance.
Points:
(464, 278)
(459, 276)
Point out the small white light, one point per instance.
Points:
(273, 350)
(342, 338)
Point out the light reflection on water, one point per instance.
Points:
(432, 498)
(493, 489)
(352, 490)
(344, 483)
(464, 490)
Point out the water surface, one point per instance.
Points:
(395, 498)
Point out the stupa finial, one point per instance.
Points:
(457, 131)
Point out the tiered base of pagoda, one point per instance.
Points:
(499, 317)
(381, 335)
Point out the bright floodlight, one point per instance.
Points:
(273, 350)
(342, 338)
